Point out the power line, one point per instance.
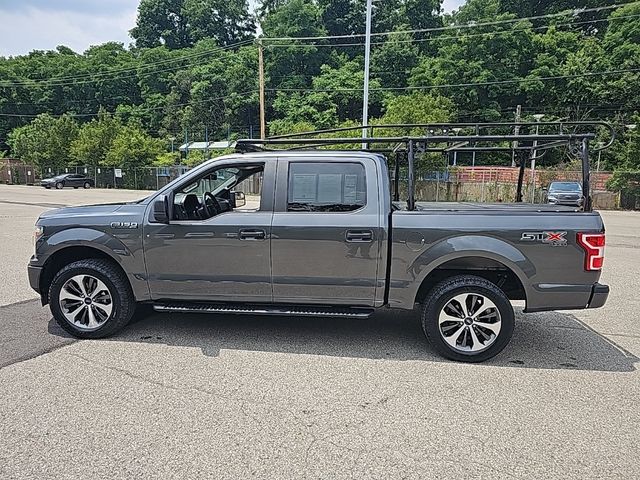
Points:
(455, 37)
(461, 85)
(574, 12)
(141, 110)
(104, 76)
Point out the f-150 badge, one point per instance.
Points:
(555, 239)
(125, 225)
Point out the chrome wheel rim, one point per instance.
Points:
(85, 302)
(469, 322)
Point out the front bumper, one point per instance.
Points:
(34, 277)
(570, 203)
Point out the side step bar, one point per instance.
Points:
(283, 310)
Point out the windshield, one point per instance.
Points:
(566, 187)
(214, 182)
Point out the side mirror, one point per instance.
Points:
(161, 210)
(240, 199)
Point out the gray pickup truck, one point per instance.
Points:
(323, 237)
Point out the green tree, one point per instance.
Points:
(394, 60)
(95, 139)
(226, 21)
(182, 23)
(161, 22)
(45, 141)
(132, 147)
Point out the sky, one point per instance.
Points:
(44, 24)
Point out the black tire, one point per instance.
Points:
(59, 185)
(47, 187)
(443, 293)
(122, 297)
(87, 185)
(75, 188)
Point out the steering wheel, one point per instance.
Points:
(210, 204)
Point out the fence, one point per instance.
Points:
(14, 171)
(499, 184)
(138, 178)
(462, 184)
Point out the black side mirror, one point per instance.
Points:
(161, 210)
(239, 199)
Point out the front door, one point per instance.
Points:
(326, 242)
(217, 252)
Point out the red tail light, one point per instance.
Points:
(593, 244)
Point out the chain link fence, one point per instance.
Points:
(462, 184)
(135, 178)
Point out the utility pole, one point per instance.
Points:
(206, 143)
(538, 117)
(365, 97)
(516, 132)
(263, 123)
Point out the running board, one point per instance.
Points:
(283, 310)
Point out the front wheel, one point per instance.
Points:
(59, 185)
(467, 318)
(91, 298)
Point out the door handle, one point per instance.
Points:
(252, 235)
(359, 236)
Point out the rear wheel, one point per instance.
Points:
(87, 185)
(467, 318)
(91, 298)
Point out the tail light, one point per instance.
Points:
(593, 244)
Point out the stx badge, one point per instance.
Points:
(555, 239)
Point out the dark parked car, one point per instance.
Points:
(74, 180)
(565, 193)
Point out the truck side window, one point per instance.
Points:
(326, 187)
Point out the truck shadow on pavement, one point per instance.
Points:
(542, 341)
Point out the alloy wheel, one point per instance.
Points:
(469, 322)
(85, 302)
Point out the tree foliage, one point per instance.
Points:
(186, 76)
(46, 141)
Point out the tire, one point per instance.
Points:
(47, 188)
(75, 188)
(116, 298)
(87, 185)
(59, 185)
(480, 331)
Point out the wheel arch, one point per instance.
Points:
(487, 257)
(490, 269)
(68, 254)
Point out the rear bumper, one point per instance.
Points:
(599, 295)
(546, 297)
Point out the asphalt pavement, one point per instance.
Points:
(215, 396)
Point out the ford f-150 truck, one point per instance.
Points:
(322, 238)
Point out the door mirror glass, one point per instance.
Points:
(161, 210)
(239, 199)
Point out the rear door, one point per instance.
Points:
(326, 238)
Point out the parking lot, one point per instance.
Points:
(212, 396)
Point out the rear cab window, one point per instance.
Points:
(326, 187)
